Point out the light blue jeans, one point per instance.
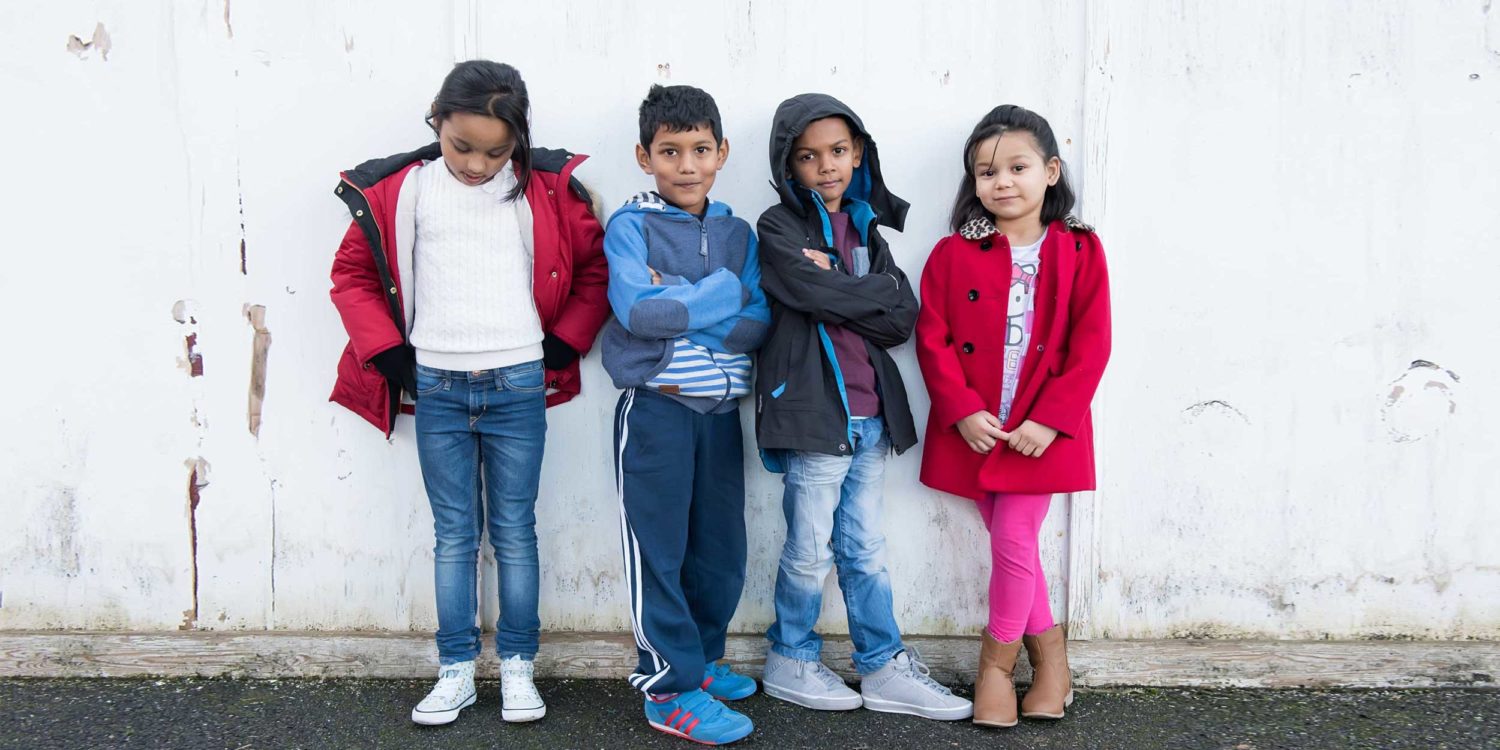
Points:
(494, 419)
(833, 508)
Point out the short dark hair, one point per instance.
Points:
(1058, 201)
(678, 108)
(493, 89)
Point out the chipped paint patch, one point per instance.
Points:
(191, 361)
(259, 348)
(1419, 402)
(197, 480)
(100, 41)
(1215, 406)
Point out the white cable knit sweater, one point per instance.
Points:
(474, 308)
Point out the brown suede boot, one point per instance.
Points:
(995, 688)
(1051, 683)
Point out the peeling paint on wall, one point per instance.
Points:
(197, 480)
(259, 348)
(100, 42)
(191, 361)
(1419, 402)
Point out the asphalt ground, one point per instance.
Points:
(263, 714)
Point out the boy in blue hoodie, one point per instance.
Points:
(684, 283)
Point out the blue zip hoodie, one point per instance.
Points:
(690, 336)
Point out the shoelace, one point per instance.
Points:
(450, 686)
(822, 672)
(922, 673)
(514, 688)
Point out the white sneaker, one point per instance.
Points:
(519, 700)
(453, 692)
(903, 686)
(807, 683)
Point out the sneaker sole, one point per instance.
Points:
(675, 733)
(1068, 701)
(940, 714)
(437, 718)
(814, 702)
(522, 715)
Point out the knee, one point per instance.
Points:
(856, 555)
(457, 547)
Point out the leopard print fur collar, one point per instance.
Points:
(978, 229)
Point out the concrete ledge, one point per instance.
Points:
(1186, 663)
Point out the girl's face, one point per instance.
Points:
(1011, 176)
(475, 147)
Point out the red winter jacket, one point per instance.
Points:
(568, 283)
(960, 343)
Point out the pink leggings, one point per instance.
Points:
(1018, 590)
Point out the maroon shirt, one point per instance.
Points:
(848, 346)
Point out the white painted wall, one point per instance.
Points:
(1298, 201)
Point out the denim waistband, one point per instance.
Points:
(520, 369)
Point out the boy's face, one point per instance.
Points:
(1011, 176)
(824, 158)
(684, 164)
(475, 147)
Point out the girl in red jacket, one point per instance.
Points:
(471, 279)
(1012, 339)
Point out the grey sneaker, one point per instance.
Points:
(809, 684)
(903, 687)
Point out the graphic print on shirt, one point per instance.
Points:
(1020, 310)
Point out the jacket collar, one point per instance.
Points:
(978, 229)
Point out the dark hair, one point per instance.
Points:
(485, 87)
(1058, 201)
(678, 108)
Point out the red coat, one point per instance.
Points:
(960, 342)
(568, 284)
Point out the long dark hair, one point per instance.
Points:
(1058, 201)
(493, 89)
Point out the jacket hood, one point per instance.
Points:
(651, 202)
(868, 185)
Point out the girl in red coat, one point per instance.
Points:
(1012, 338)
(471, 279)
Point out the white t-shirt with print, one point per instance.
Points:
(1020, 309)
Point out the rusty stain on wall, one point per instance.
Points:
(191, 361)
(197, 480)
(99, 41)
(259, 347)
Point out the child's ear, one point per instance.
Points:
(1054, 170)
(859, 151)
(643, 159)
(723, 152)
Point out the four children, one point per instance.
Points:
(474, 276)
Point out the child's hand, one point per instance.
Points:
(819, 259)
(655, 276)
(1031, 438)
(981, 430)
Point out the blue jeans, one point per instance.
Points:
(495, 419)
(833, 507)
